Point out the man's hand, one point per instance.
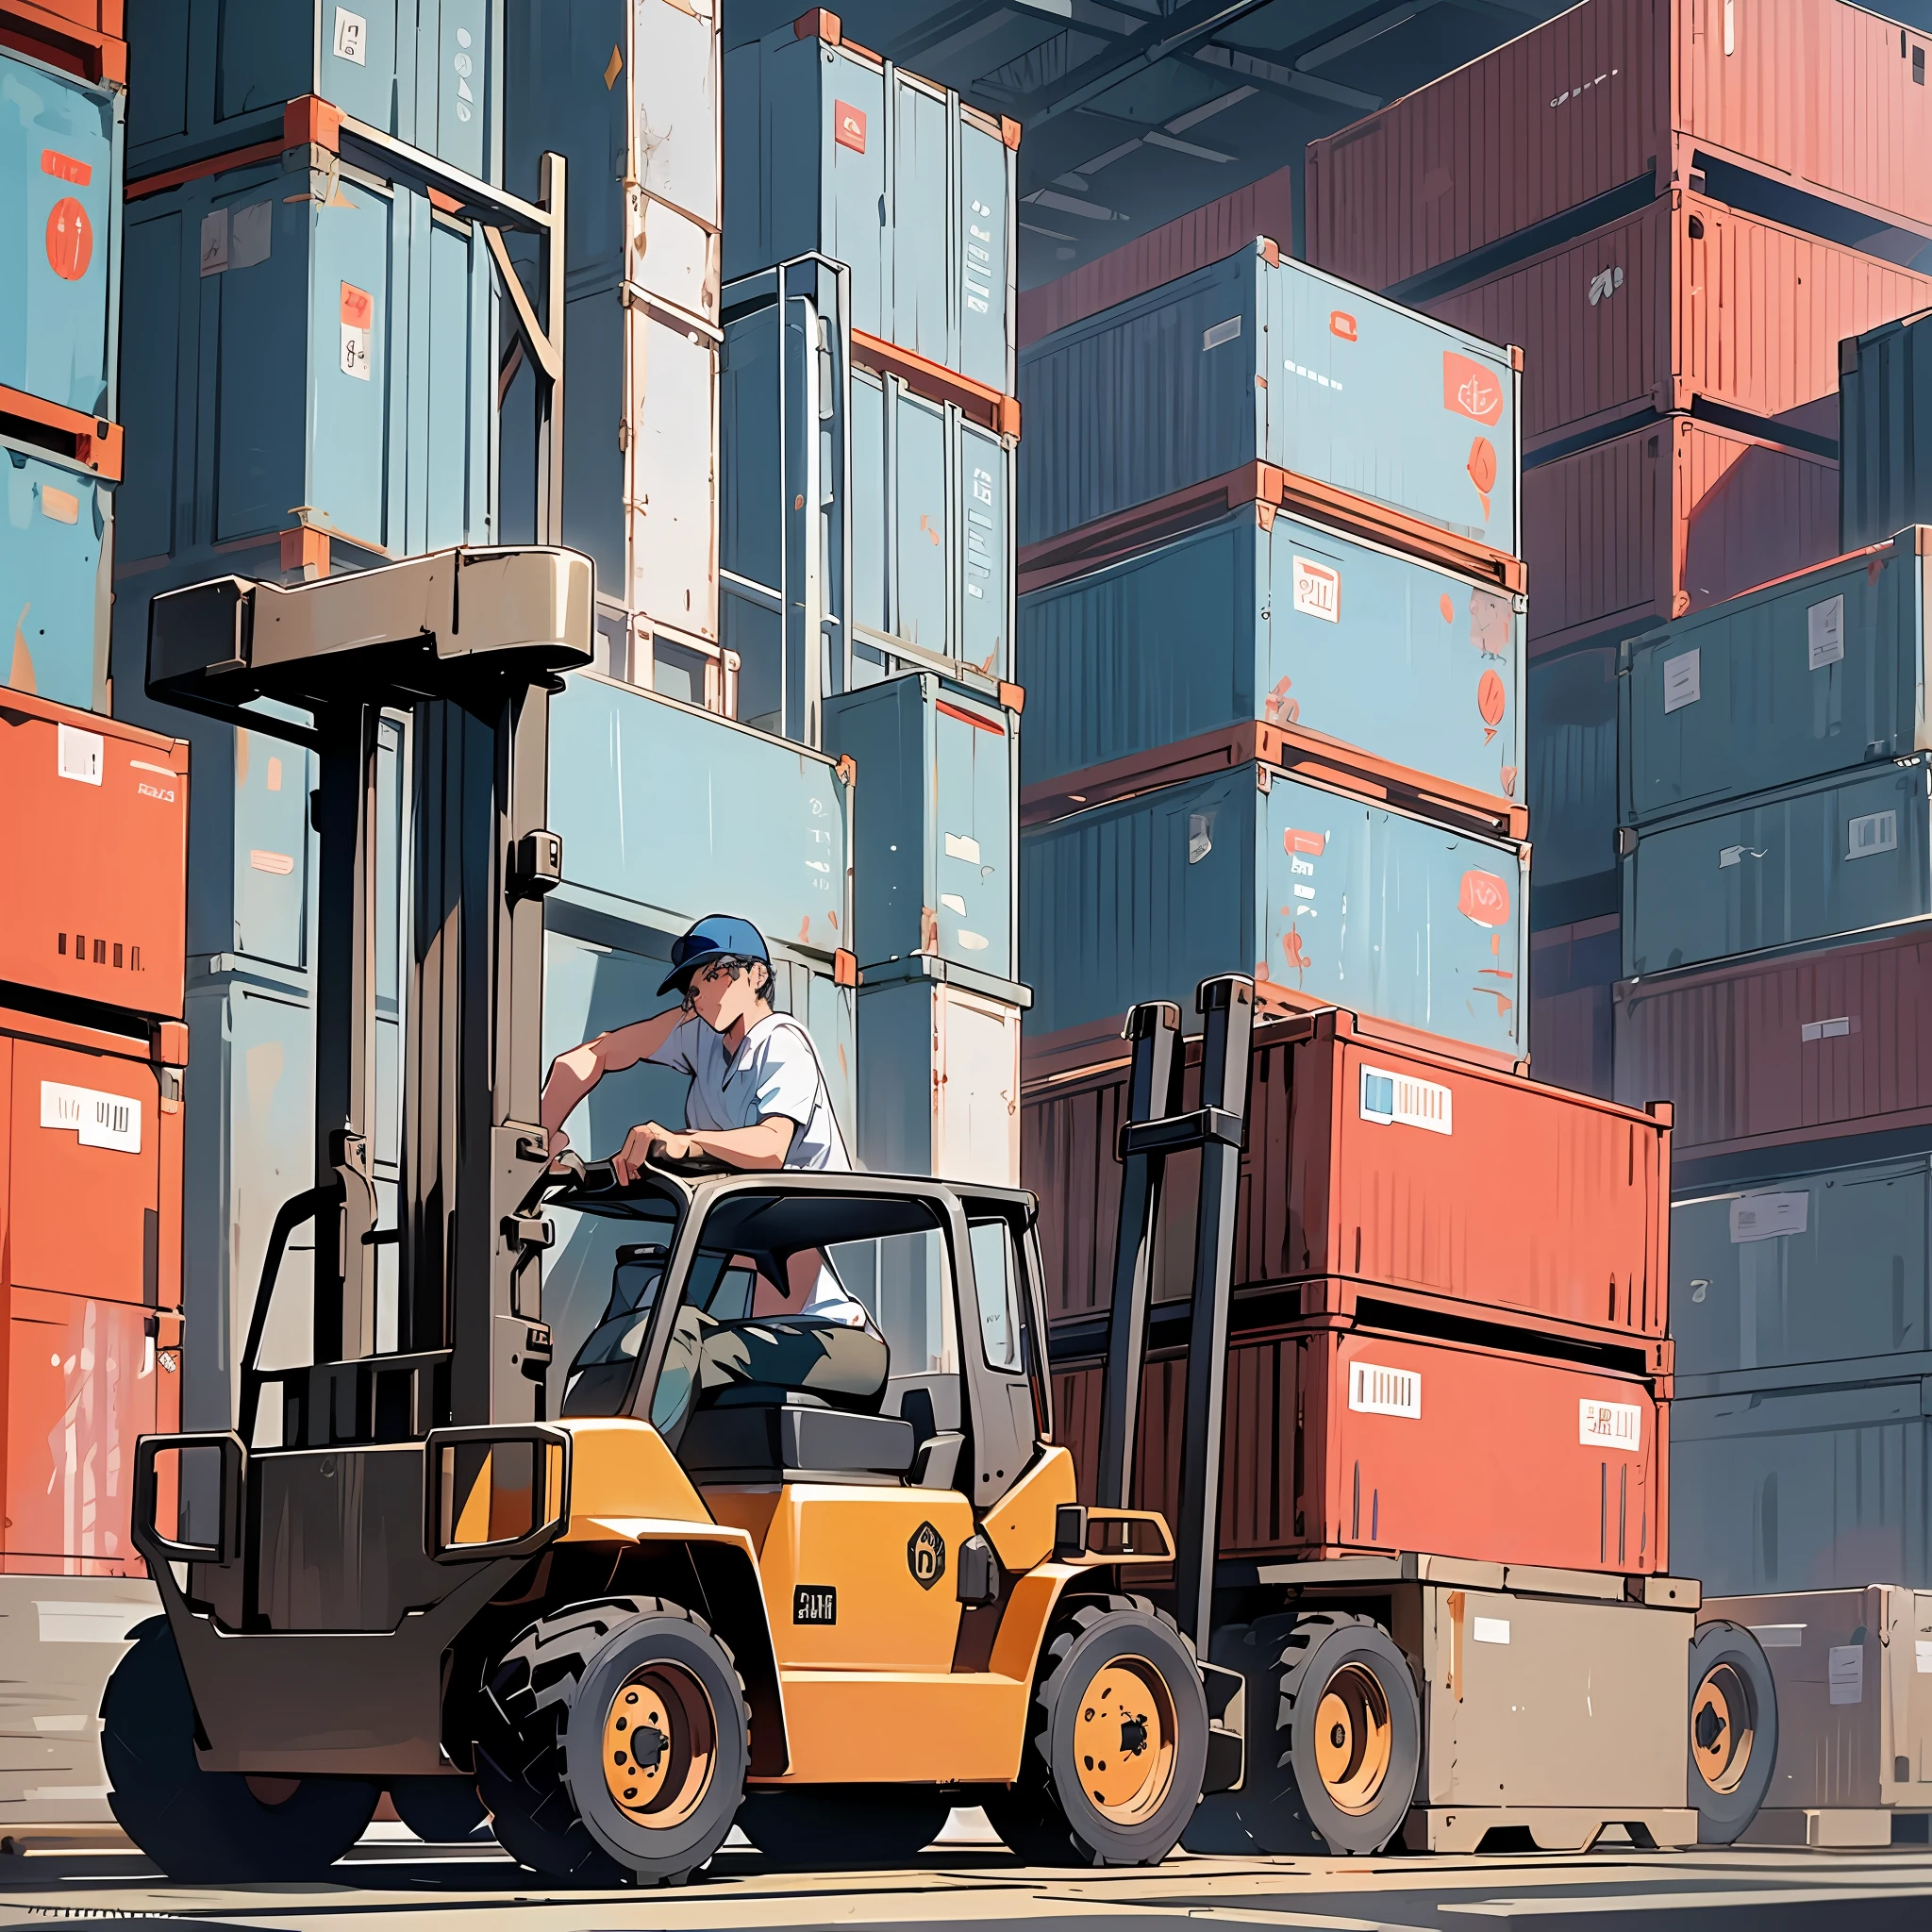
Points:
(556, 1141)
(644, 1139)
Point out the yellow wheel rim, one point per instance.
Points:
(1722, 1730)
(1355, 1739)
(1123, 1739)
(660, 1745)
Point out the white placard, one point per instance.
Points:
(101, 1120)
(1825, 632)
(1228, 331)
(1317, 591)
(1870, 833)
(959, 846)
(215, 242)
(1374, 1389)
(1610, 1425)
(1491, 1629)
(352, 36)
(1923, 1651)
(80, 755)
(250, 231)
(1764, 1217)
(1845, 1672)
(1682, 680)
(1397, 1099)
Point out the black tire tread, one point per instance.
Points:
(1723, 1818)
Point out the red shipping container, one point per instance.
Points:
(93, 870)
(1573, 971)
(1667, 519)
(1405, 1175)
(1815, 95)
(1340, 1442)
(1803, 1048)
(1682, 298)
(84, 37)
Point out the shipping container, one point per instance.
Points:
(1573, 969)
(1853, 1675)
(84, 37)
(60, 159)
(1681, 302)
(668, 812)
(1802, 108)
(1660, 520)
(1344, 1442)
(1260, 358)
(93, 872)
(1373, 1162)
(1821, 673)
(933, 831)
(938, 1077)
(1345, 644)
(1325, 898)
(1882, 427)
(1834, 860)
(1164, 254)
(830, 150)
(316, 358)
(57, 545)
(1803, 1488)
(213, 79)
(1812, 1267)
(1572, 783)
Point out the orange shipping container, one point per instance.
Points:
(1339, 1443)
(1816, 96)
(1393, 1170)
(1684, 298)
(94, 869)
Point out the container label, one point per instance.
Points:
(1779, 1635)
(1228, 331)
(1682, 677)
(82, 756)
(358, 312)
(1921, 1650)
(1374, 1389)
(352, 36)
(1825, 629)
(101, 1120)
(70, 239)
(959, 846)
(62, 506)
(1471, 390)
(848, 126)
(1838, 1028)
(1200, 836)
(1340, 322)
(1610, 1425)
(1763, 1217)
(1845, 1672)
(1395, 1100)
(250, 231)
(65, 167)
(278, 864)
(1872, 833)
(1490, 1629)
(215, 242)
(1317, 591)
(976, 275)
(1605, 283)
(1484, 898)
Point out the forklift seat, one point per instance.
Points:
(753, 1434)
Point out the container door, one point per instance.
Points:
(275, 848)
(454, 42)
(673, 413)
(985, 264)
(674, 80)
(919, 612)
(922, 224)
(52, 542)
(854, 216)
(971, 788)
(976, 1132)
(984, 541)
(867, 497)
(352, 328)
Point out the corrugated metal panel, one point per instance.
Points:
(1811, 1267)
(56, 569)
(214, 77)
(1261, 616)
(61, 296)
(1682, 298)
(1175, 248)
(1572, 974)
(1326, 899)
(1820, 1489)
(832, 151)
(1814, 94)
(1573, 764)
(1785, 1050)
(1256, 360)
(1885, 407)
(933, 827)
(1819, 861)
(1668, 519)
(1821, 674)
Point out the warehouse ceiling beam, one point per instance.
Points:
(1186, 27)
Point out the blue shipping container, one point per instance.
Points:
(1570, 715)
(211, 78)
(1884, 432)
(828, 150)
(1260, 360)
(1321, 896)
(314, 347)
(934, 810)
(61, 235)
(1820, 673)
(1837, 859)
(56, 569)
(668, 812)
(1261, 616)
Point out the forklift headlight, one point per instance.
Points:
(496, 1491)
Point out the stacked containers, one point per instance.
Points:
(1679, 240)
(866, 547)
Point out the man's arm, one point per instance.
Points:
(764, 1145)
(574, 1073)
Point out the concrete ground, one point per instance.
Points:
(391, 1883)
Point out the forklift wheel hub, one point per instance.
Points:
(660, 1745)
(1722, 1733)
(1355, 1739)
(1123, 1739)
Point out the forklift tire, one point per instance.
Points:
(211, 1828)
(569, 1793)
(1117, 1742)
(821, 1827)
(1733, 1730)
(440, 1810)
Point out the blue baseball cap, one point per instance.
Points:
(717, 936)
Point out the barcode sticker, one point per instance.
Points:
(1764, 1217)
(1397, 1099)
(1610, 1425)
(101, 1120)
(1682, 681)
(82, 756)
(1824, 630)
(1874, 832)
(1374, 1389)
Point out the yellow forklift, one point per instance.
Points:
(825, 1580)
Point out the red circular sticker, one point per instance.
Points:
(70, 240)
(1492, 699)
